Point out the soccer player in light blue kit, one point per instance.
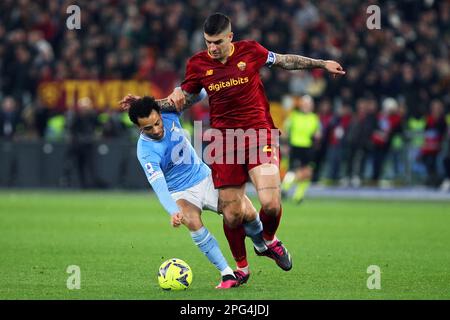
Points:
(182, 182)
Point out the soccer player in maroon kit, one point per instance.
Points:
(229, 72)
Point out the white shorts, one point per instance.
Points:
(203, 195)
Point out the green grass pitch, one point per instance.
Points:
(119, 240)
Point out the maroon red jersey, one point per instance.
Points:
(235, 90)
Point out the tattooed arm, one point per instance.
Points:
(179, 100)
(176, 102)
(296, 62)
(166, 105)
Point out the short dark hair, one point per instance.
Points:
(141, 108)
(216, 23)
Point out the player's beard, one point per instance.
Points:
(216, 55)
(155, 137)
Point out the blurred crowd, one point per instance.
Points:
(391, 107)
(377, 147)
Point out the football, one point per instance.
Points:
(174, 274)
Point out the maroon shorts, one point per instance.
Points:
(231, 166)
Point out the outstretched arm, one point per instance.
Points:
(296, 62)
(180, 99)
(176, 101)
(166, 105)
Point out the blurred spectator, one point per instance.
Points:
(55, 128)
(337, 139)
(325, 114)
(9, 118)
(44, 55)
(397, 156)
(415, 135)
(41, 116)
(435, 130)
(82, 127)
(112, 125)
(445, 186)
(359, 144)
(307, 16)
(388, 125)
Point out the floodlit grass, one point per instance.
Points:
(119, 240)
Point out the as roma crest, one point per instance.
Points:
(241, 65)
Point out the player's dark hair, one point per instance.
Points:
(141, 108)
(216, 24)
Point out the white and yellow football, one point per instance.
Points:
(174, 274)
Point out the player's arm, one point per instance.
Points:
(159, 185)
(297, 62)
(155, 176)
(175, 102)
(179, 100)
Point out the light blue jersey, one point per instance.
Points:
(170, 164)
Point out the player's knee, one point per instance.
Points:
(233, 221)
(250, 212)
(192, 221)
(193, 225)
(272, 207)
(233, 214)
